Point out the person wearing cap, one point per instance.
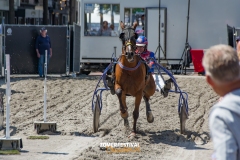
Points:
(43, 43)
(150, 59)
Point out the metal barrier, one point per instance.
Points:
(20, 45)
(45, 125)
(76, 47)
(8, 142)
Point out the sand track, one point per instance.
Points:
(69, 103)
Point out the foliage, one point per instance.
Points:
(9, 152)
(105, 8)
(38, 137)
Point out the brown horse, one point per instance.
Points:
(131, 78)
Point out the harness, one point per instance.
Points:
(130, 69)
(127, 68)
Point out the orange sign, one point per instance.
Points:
(122, 150)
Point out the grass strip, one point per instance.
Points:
(9, 152)
(38, 137)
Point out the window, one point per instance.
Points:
(132, 15)
(101, 19)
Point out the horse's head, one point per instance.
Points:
(128, 38)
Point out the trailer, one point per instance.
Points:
(95, 55)
(168, 25)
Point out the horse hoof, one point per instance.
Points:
(126, 123)
(150, 117)
(132, 135)
(124, 115)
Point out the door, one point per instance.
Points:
(153, 31)
(231, 38)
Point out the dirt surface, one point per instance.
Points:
(69, 104)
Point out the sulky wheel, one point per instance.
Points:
(183, 118)
(96, 115)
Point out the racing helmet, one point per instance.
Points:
(141, 41)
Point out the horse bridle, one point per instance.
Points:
(129, 44)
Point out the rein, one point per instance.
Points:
(127, 68)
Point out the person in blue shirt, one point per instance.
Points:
(43, 43)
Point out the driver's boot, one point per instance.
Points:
(110, 84)
(167, 87)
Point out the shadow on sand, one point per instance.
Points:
(174, 138)
(12, 129)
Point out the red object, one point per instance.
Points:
(197, 56)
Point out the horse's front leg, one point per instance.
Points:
(138, 99)
(122, 101)
(148, 92)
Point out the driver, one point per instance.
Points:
(149, 57)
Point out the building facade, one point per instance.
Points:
(4, 9)
(30, 12)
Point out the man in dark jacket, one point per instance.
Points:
(43, 43)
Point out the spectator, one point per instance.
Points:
(223, 75)
(112, 27)
(104, 30)
(238, 53)
(43, 43)
(121, 26)
(113, 32)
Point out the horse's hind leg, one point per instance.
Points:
(123, 107)
(149, 91)
(149, 114)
